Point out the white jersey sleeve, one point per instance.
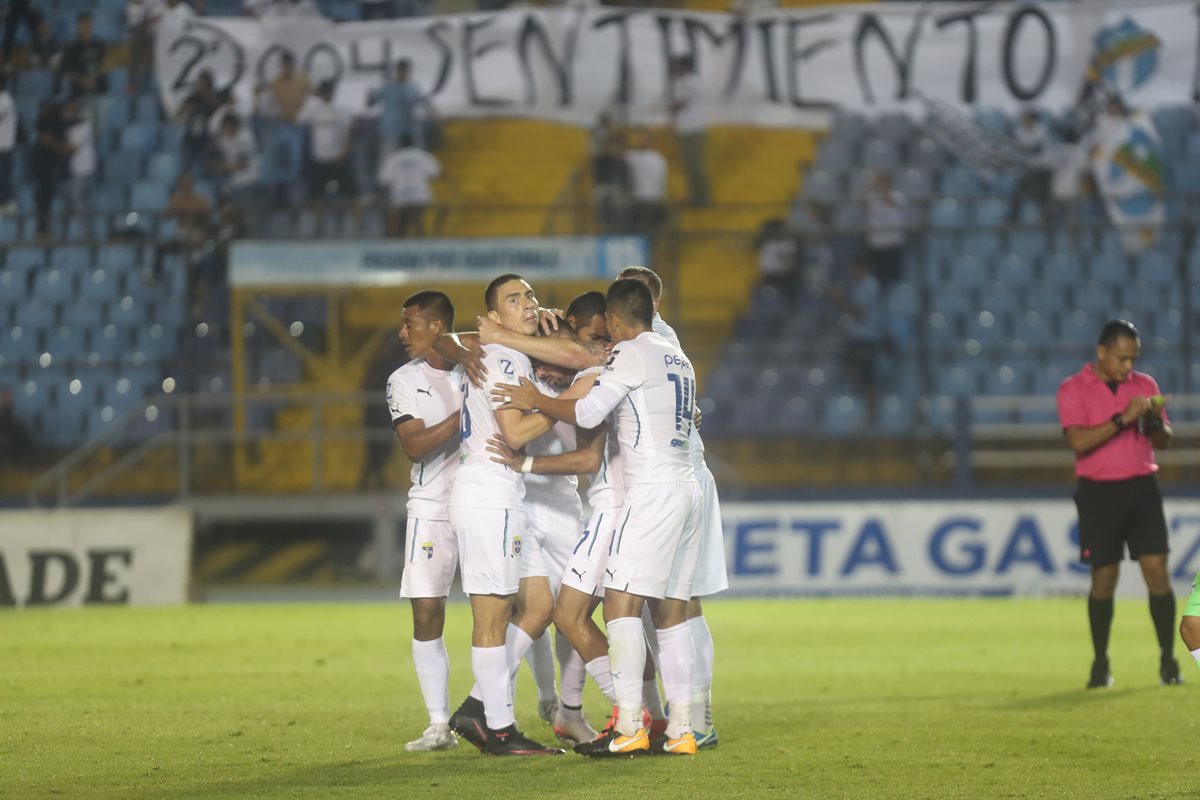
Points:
(418, 391)
(554, 490)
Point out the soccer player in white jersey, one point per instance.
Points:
(651, 387)
(711, 573)
(586, 553)
(487, 515)
(424, 397)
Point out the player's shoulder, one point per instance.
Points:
(1075, 382)
(1145, 379)
(499, 354)
(406, 372)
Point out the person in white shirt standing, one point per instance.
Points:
(238, 161)
(8, 141)
(887, 229)
(652, 388)
(687, 115)
(487, 516)
(329, 173)
(712, 575)
(424, 397)
(406, 174)
(648, 179)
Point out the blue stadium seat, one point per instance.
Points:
(928, 154)
(960, 182)
(53, 286)
(968, 271)
(164, 167)
(820, 184)
(987, 328)
(844, 414)
(123, 168)
(798, 416)
(108, 343)
(30, 397)
(896, 414)
(74, 258)
(148, 108)
(35, 315)
(991, 211)
(110, 197)
(114, 116)
(157, 344)
(18, 345)
(915, 183)
(10, 230)
(25, 258)
(880, 154)
(1094, 297)
(118, 258)
(150, 196)
(1029, 244)
(1033, 328)
(35, 82)
(835, 155)
(1079, 328)
(1109, 267)
(100, 285)
(1063, 269)
(1015, 271)
(982, 244)
(950, 298)
(139, 138)
(1156, 269)
(67, 343)
(847, 126)
(902, 300)
(947, 213)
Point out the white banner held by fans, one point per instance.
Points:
(768, 67)
(975, 548)
(95, 557)
(393, 262)
(1127, 163)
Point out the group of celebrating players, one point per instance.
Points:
(498, 424)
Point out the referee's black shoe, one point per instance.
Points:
(1101, 678)
(1168, 671)
(511, 742)
(468, 722)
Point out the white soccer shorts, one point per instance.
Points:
(553, 531)
(712, 575)
(589, 557)
(490, 543)
(657, 542)
(431, 556)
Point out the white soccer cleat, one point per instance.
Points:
(436, 737)
(573, 728)
(547, 709)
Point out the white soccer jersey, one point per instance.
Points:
(606, 488)
(558, 491)
(697, 444)
(481, 482)
(419, 391)
(652, 389)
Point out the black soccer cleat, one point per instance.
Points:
(1168, 672)
(614, 744)
(511, 742)
(1101, 678)
(468, 722)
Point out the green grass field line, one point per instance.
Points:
(813, 698)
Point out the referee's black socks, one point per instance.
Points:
(1162, 612)
(1100, 615)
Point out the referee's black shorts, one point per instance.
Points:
(1116, 514)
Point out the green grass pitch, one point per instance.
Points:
(813, 698)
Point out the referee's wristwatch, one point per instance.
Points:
(1117, 420)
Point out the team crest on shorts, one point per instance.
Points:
(516, 547)
(428, 548)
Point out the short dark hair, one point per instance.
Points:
(493, 288)
(647, 276)
(404, 63)
(434, 303)
(406, 140)
(630, 300)
(586, 306)
(1116, 328)
(232, 120)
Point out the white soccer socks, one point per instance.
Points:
(432, 664)
(627, 655)
(573, 671)
(601, 672)
(541, 661)
(493, 682)
(702, 675)
(1196, 655)
(677, 657)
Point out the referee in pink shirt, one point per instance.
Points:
(1113, 417)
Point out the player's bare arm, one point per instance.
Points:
(584, 460)
(419, 441)
(463, 348)
(561, 351)
(1085, 438)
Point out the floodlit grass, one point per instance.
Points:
(821, 699)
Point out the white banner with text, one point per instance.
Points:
(999, 548)
(765, 67)
(95, 557)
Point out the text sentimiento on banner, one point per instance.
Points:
(770, 67)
